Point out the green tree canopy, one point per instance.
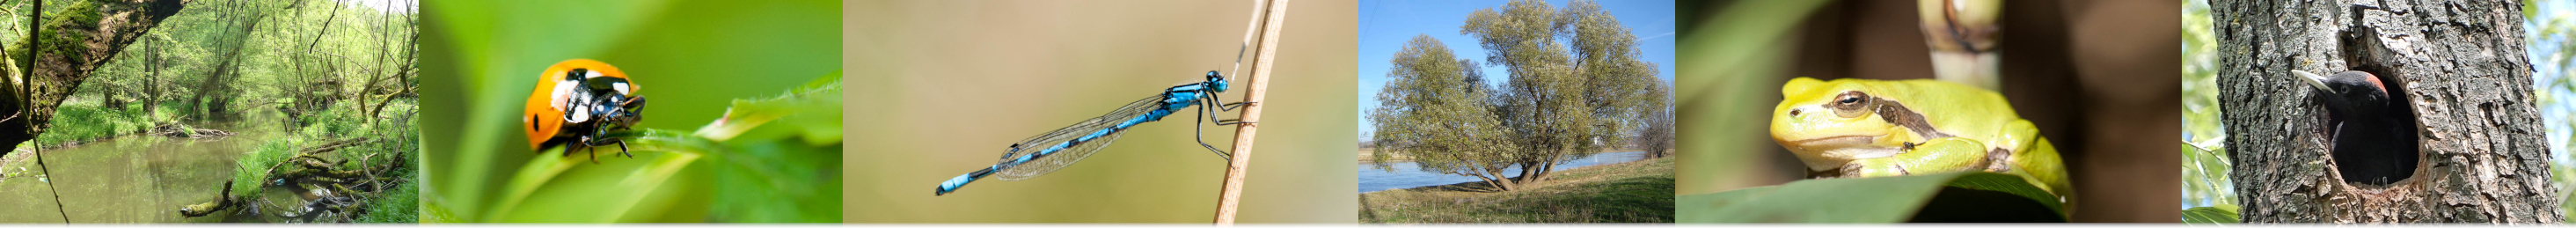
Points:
(1437, 115)
(1576, 87)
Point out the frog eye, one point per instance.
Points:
(1851, 104)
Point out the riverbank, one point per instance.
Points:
(1640, 191)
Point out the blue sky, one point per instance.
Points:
(1385, 26)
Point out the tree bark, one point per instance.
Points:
(69, 46)
(2458, 64)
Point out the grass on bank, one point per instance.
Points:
(85, 120)
(1632, 192)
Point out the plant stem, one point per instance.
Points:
(1229, 195)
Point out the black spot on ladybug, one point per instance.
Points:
(575, 74)
(603, 83)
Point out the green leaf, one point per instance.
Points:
(759, 172)
(1947, 197)
(789, 171)
(2221, 214)
(815, 108)
(551, 190)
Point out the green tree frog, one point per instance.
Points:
(1874, 128)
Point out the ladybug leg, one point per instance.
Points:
(586, 146)
(621, 148)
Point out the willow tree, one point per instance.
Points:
(1433, 110)
(1655, 122)
(1576, 79)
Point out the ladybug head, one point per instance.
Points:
(610, 84)
(577, 74)
(1216, 80)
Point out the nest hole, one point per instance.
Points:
(2377, 153)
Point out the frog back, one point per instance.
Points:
(1951, 110)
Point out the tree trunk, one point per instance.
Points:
(70, 45)
(214, 84)
(152, 84)
(2459, 67)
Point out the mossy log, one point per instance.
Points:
(222, 201)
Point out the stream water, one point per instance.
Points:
(1408, 175)
(129, 179)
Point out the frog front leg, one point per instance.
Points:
(1933, 156)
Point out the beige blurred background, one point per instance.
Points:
(941, 87)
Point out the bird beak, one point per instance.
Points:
(2313, 80)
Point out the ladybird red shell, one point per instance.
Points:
(544, 117)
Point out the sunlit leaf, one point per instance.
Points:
(2221, 214)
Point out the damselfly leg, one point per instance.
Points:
(1199, 133)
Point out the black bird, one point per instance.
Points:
(2374, 136)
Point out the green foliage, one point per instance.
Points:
(2205, 175)
(400, 205)
(254, 168)
(2222, 214)
(1951, 197)
(84, 121)
(1744, 39)
(785, 167)
(2205, 162)
(1435, 112)
(1557, 100)
(772, 160)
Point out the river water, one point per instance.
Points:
(129, 179)
(1408, 175)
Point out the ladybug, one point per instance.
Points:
(577, 103)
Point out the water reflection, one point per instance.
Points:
(128, 179)
(1407, 175)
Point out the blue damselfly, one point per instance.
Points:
(1056, 149)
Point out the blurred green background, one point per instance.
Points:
(941, 87)
(691, 58)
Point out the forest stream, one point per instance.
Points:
(132, 179)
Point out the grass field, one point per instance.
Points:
(1639, 192)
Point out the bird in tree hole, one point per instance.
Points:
(2373, 132)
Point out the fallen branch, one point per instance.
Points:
(222, 201)
(176, 130)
